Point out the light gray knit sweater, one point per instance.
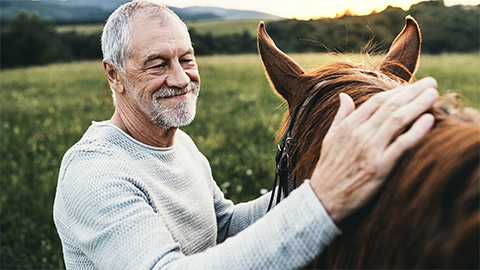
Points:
(121, 204)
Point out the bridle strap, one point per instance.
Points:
(283, 170)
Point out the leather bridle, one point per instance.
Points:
(283, 171)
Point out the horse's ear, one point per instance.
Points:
(402, 58)
(281, 70)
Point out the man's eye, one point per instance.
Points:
(158, 66)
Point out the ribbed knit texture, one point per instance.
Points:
(121, 204)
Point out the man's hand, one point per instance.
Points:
(362, 146)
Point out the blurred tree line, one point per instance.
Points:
(29, 40)
(444, 29)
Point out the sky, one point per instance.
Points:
(306, 9)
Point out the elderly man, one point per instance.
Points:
(136, 193)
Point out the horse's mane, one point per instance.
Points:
(432, 194)
(360, 82)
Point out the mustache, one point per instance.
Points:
(171, 92)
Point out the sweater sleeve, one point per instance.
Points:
(288, 237)
(112, 223)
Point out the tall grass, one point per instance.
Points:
(45, 110)
(459, 73)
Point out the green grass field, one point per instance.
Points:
(81, 28)
(44, 110)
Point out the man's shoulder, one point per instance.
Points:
(96, 144)
(183, 138)
(186, 143)
(96, 140)
(182, 135)
(93, 158)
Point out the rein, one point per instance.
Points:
(283, 170)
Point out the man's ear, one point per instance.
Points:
(402, 58)
(113, 77)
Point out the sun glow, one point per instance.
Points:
(307, 9)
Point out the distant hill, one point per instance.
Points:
(95, 11)
(58, 11)
(222, 13)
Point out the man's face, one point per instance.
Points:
(161, 78)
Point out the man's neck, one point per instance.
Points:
(142, 129)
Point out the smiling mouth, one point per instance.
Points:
(175, 93)
(180, 95)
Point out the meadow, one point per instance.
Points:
(44, 110)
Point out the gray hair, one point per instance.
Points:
(116, 43)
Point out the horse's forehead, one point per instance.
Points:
(370, 72)
(323, 72)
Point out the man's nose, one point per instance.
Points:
(177, 77)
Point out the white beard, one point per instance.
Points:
(170, 115)
(180, 114)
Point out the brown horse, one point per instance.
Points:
(427, 214)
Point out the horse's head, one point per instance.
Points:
(427, 215)
(295, 85)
